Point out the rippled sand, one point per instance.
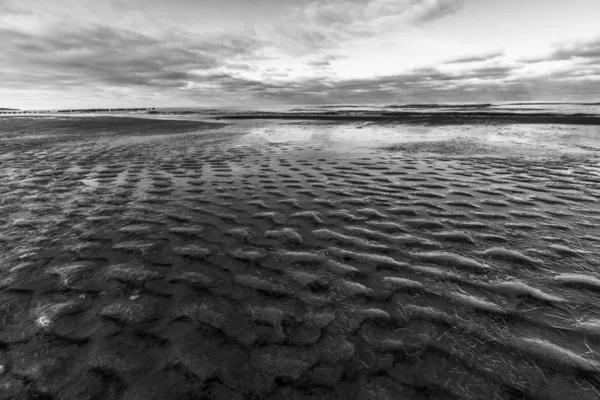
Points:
(162, 259)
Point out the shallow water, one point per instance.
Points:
(508, 140)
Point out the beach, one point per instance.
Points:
(295, 256)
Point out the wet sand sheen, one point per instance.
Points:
(287, 261)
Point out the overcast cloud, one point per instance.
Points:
(67, 53)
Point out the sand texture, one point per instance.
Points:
(150, 259)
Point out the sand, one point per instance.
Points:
(157, 259)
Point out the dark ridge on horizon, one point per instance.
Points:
(458, 105)
(549, 103)
(412, 105)
(342, 105)
(439, 118)
(434, 105)
(158, 110)
(63, 111)
(185, 111)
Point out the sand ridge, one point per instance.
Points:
(206, 265)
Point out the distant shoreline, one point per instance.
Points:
(444, 118)
(397, 115)
(71, 111)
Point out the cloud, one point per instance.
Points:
(319, 24)
(429, 10)
(587, 51)
(8, 8)
(86, 55)
(221, 68)
(476, 58)
(307, 57)
(57, 55)
(486, 83)
(322, 61)
(422, 83)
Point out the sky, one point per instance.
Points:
(209, 53)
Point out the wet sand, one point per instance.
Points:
(147, 259)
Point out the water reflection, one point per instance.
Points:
(526, 139)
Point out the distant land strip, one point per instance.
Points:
(432, 118)
(83, 110)
(408, 117)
